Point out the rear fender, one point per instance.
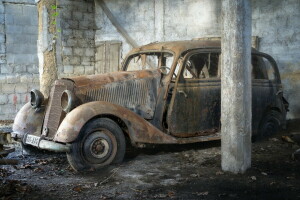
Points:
(139, 130)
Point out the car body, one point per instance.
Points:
(166, 93)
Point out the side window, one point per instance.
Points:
(270, 70)
(202, 66)
(258, 68)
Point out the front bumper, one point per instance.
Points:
(42, 143)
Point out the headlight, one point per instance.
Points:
(68, 101)
(37, 98)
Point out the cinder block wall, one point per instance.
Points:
(18, 47)
(275, 22)
(18, 55)
(77, 37)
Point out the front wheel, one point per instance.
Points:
(100, 143)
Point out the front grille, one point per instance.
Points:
(130, 93)
(54, 112)
(137, 95)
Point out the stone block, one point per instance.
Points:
(9, 19)
(1, 8)
(25, 98)
(6, 69)
(72, 24)
(3, 99)
(89, 34)
(2, 38)
(30, 30)
(14, 29)
(21, 88)
(67, 32)
(90, 8)
(2, 58)
(87, 63)
(67, 51)
(14, 99)
(10, 58)
(33, 69)
(89, 70)
(78, 70)
(88, 17)
(20, 69)
(21, 58)
(79, 51)
(36, 78)
(1, 28)
(90, 52)
(66, 14)
(66, 60)
(2, 48)
(71, 42)
(8, 88)
(2, 21)
(14, 9)
(75, 60)
(69, 69)
(77, 15)
(26, 78)
(78, 34)
(82, 43)
(2, 79)
(13, 79)
(32, 86)
(8, 109)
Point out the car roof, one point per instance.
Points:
(180, 46)
(177, 46)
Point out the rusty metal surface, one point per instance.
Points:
(195, 108)
(54, 113)
(28, 120)
(177, 46)
(139, 129)
(85, 83)
(136, 91)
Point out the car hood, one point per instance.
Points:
(96, 81)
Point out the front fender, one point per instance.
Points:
(140, 130)
(28, 120)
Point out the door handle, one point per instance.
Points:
(182, 92)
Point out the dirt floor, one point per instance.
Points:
(164, 172)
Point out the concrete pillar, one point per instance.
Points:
(236, 95)
(46, 44)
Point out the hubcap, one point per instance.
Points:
(99, 148)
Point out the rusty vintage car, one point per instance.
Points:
(165, 93)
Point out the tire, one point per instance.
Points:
(270, 124)
(100, 143)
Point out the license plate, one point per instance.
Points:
(33, 140)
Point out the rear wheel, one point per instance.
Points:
(270, 124)
(100, 143)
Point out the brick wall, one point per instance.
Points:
(18, 57)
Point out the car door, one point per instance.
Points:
(265, 85)
(195, 103)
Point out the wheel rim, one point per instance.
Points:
(99, 147)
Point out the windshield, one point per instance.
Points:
(153, 60)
